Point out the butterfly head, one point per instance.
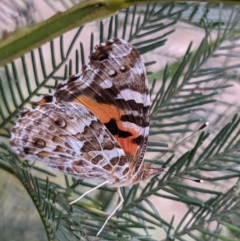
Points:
(148, 171)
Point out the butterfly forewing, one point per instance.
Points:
(70, 139)
(115, 88)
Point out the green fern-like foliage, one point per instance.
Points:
(186, 90)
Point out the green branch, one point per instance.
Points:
(25, 39)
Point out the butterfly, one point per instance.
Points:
(96, 123)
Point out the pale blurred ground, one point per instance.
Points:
(13, 197)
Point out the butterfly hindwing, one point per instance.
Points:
(70, 139)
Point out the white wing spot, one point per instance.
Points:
(106, 84)
(111, 72)
(140, 98)
(64, 87)
(122, 68)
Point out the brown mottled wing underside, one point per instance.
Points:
(70, 139)
(115, 88)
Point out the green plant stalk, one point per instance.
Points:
(26, 39)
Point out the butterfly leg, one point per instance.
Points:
(118, 206)
(84, 194)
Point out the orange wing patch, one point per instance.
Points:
(105, 114)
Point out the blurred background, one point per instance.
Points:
(19, 217)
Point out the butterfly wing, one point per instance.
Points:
(115, 88)
(71, 139)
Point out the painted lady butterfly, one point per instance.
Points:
(96, 124)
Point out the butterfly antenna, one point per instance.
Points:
(187, 178)
(200, 128)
